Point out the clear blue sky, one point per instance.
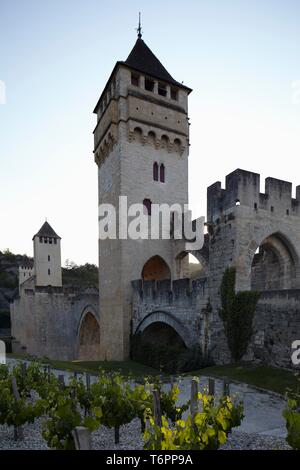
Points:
(241, 58)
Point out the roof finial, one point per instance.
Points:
(139, 29)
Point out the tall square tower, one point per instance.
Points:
(141, 146)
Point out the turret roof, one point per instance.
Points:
(141, 58)
(46, 231)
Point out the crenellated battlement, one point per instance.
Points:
(243, 188)
(25, 272)
(167, 291)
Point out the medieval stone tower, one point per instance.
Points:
(141, 144)
(47, 257)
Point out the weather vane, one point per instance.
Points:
(139, 28)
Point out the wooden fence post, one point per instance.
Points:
(47, 370)
(117, 434)
(61, 380)
(88, 382)
(226, 390)
(82, 438)
(18, 430)
(194, 398)
(211, 386)
(23, 369)
(156, 408)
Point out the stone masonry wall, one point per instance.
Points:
(45, 322)
(276, 325)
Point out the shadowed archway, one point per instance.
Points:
(160, 340)
(162, 333)
(167, 323)
(273, 265)
(89, 338)
(156, 269)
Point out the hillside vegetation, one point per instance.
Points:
(9, 271)
(85, 275)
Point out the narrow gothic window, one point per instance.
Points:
(55, 241)
(162, 173)
(48, 257)
(45, 240)
(48, 272)
(50, 241)
(155, 171)
(41, 239)
(147, 205)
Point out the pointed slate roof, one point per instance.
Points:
(46, 231)
(141, 58)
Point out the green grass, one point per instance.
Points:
(266, 377)
(262, 376)
(126, 368)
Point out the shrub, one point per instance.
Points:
(292, 417)
(193, 359)
(207, 430)
(237, 313)
(167, 357)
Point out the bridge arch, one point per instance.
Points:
(88, 336)
(160, 320)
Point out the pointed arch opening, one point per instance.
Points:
(187, 265)
(89, 338)
(273, 265)
(162, 173)
(156, 269)
(147, 203)
(155, 171)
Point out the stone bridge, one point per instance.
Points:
(60, 323)
(177, 305)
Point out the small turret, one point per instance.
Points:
(26, 271)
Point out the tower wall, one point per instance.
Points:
(25, 272)
(135, 128)
(47, 262)
(241, 220)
